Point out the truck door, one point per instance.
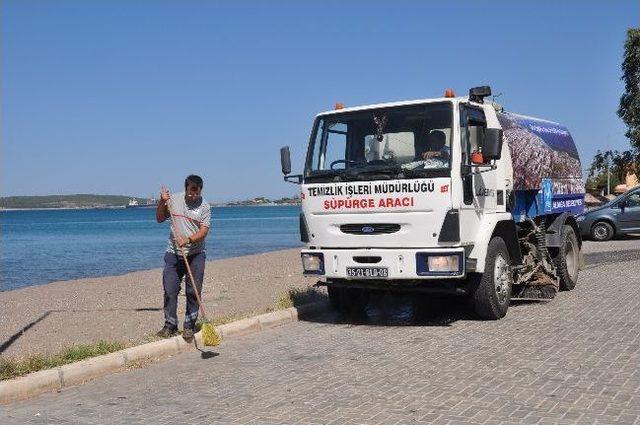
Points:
(478, 188)
(629, 217)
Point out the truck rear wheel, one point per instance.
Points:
(567, 259)
(492, 293)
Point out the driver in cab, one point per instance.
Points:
(435, 153)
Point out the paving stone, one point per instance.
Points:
(575, 359)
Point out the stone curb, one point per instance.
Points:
(85, 370)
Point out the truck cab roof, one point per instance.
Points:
(395, 104)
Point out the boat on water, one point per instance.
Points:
(133, 203)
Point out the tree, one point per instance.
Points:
(629, 109)
(622, 164)
(617, 163)
(598, 183)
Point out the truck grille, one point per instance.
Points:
(369, 229)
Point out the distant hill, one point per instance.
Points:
(67, 201)
(264, 201)
(107, 201)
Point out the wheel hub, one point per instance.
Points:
(601, 232)
(501, 278)
(570, 259)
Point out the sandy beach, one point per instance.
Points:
(44, 319)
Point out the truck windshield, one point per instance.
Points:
(396, 142)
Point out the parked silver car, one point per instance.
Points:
(618, 217)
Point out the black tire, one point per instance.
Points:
(567, 259)
(602, 231)
(491, 293)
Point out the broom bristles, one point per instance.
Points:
(210, 336)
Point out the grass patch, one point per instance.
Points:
(12, 368)
(297, 297)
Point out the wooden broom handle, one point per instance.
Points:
(174, 229)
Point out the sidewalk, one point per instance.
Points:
(128, 308)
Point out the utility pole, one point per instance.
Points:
(608, 158)
(608, 178)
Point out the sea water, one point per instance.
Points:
(41, 246)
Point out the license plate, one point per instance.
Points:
(368, 272)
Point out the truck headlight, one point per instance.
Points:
(440, 263)
(313, 263)
(443, 263)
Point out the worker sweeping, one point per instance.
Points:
(190, 216)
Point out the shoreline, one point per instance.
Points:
(123, 207)
(42, 319)
(118, 207)
(36, 285)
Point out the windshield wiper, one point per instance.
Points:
(327, 174)
(389, 170)
(381, 171)
(366, 169)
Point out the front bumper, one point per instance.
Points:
(401, 264)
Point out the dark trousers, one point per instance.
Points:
(174, 270)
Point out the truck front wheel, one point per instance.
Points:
(566, 259)
(492, 293)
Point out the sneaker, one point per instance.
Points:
(166, 332)
(187, 334)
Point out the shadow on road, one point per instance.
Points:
(13, 338)
(205, 354)
(630, 236)
(396, 309)
(594, 259)
(515, 302)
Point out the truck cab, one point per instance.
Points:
(419, 196)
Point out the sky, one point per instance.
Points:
(121, 97)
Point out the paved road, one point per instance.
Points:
(575, 359)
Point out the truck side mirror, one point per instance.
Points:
(285, 160)
(492, 144)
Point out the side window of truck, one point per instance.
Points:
(472, 126)
(336, 146)
(330, 146)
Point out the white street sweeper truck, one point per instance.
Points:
(451, 195)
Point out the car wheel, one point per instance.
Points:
(602, 231)
(567, 259)
(490, 298)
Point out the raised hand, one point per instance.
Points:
(164, 194)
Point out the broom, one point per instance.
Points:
(210, 336)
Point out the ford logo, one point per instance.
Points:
(368, 229)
